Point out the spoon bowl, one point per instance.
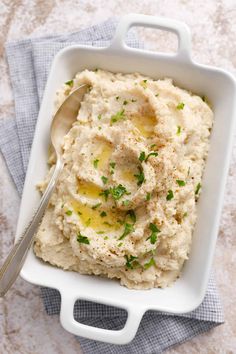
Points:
(65, 116)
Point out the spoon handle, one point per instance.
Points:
(15, 260)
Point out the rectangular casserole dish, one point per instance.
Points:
(188, 292)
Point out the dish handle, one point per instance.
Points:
(167, 24)
(123, 336)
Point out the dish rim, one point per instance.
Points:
(116, 46)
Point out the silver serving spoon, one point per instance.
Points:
(61, 124)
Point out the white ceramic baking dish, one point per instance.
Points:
(187, 292)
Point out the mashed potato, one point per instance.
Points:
(125, 203)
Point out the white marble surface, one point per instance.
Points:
(24, 326)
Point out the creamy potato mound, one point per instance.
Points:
(125, 203)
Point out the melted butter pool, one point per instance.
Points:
(89, 190)
(92, 217)
(145, 124)
(128, 176)
(102, 153)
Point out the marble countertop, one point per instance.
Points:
(24, 326)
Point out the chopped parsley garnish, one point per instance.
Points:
(106, 238)
(148, 196)
(79, 212)
(128, 229)
(95, 70)
(105, 193)
(118, 116)
(69, 212)
(180, 106)
(149, 264)
(185, 214)
(153, 238)
(153, 153)
(95, 163)
(99, 116)
(198, 187)
(170, 195)
(144, 83)
(120, 244)
(140, 177)
(126, 202)
(118, 192)
(70, 83)
(125, 102)
(104, 179)
(178, 130)
(100, 232)
(103, 214)
(180, 182)
(117, 97)
(82, 239)
(157, 94)
(133, 100)
(132, 215)
(129, 261)
(62, 206)
(153, 145)
(143, 157)
(112, 164)
(154, 231)
(153, 228)
(96, 206)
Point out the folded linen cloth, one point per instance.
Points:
(29, 63)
